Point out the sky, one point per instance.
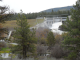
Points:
(32, 6)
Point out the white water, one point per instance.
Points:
(56, 25)
(2, 41)
(5, 55)
(13, 43)
(9, 34)
(55, 28)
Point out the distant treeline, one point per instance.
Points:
(40, 14)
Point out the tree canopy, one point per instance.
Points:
(25, 38)
(72, 38)
(50, 39)
(3, 17)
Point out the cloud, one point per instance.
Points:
(36, 5)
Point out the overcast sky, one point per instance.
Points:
(30, 6)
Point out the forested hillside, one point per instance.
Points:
(59, 9)
(41, 14)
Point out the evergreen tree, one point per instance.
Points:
(72, 39)
(50, 39)
(3, 18)
(52, 12)
(24, 37)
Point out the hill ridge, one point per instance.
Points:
(58, 9)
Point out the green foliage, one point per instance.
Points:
(1, 57)
(72, 38)
(12, 55)
(50, 39)
(24, 37)
(34, 15)
(3, 49)
(72, 55)
(3, 18)
(43, 40)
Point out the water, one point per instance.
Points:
(55, 23)
(2, 41)
(55, 28)
(13, 43)
(5, 55)
(9, 34)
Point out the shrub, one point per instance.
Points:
(58, 39)
(10, 45)
(3, 44)
(42, 41)
(41, 35)
(57, 51)
(41, 50)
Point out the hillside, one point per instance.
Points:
(58, 9)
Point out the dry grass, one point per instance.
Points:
(12, 23)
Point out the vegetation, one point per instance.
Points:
(41, 42)
(3, 18)
(72, 38)
(51, 39)
(41, 35)
(24, 37)
(57, 51)
(4, 47)
(12, 23)
(41, 14)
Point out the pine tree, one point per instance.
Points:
(50, 39)
(3, 18)
(24, 37)
(72, 39)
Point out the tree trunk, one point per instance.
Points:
(24, 52)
